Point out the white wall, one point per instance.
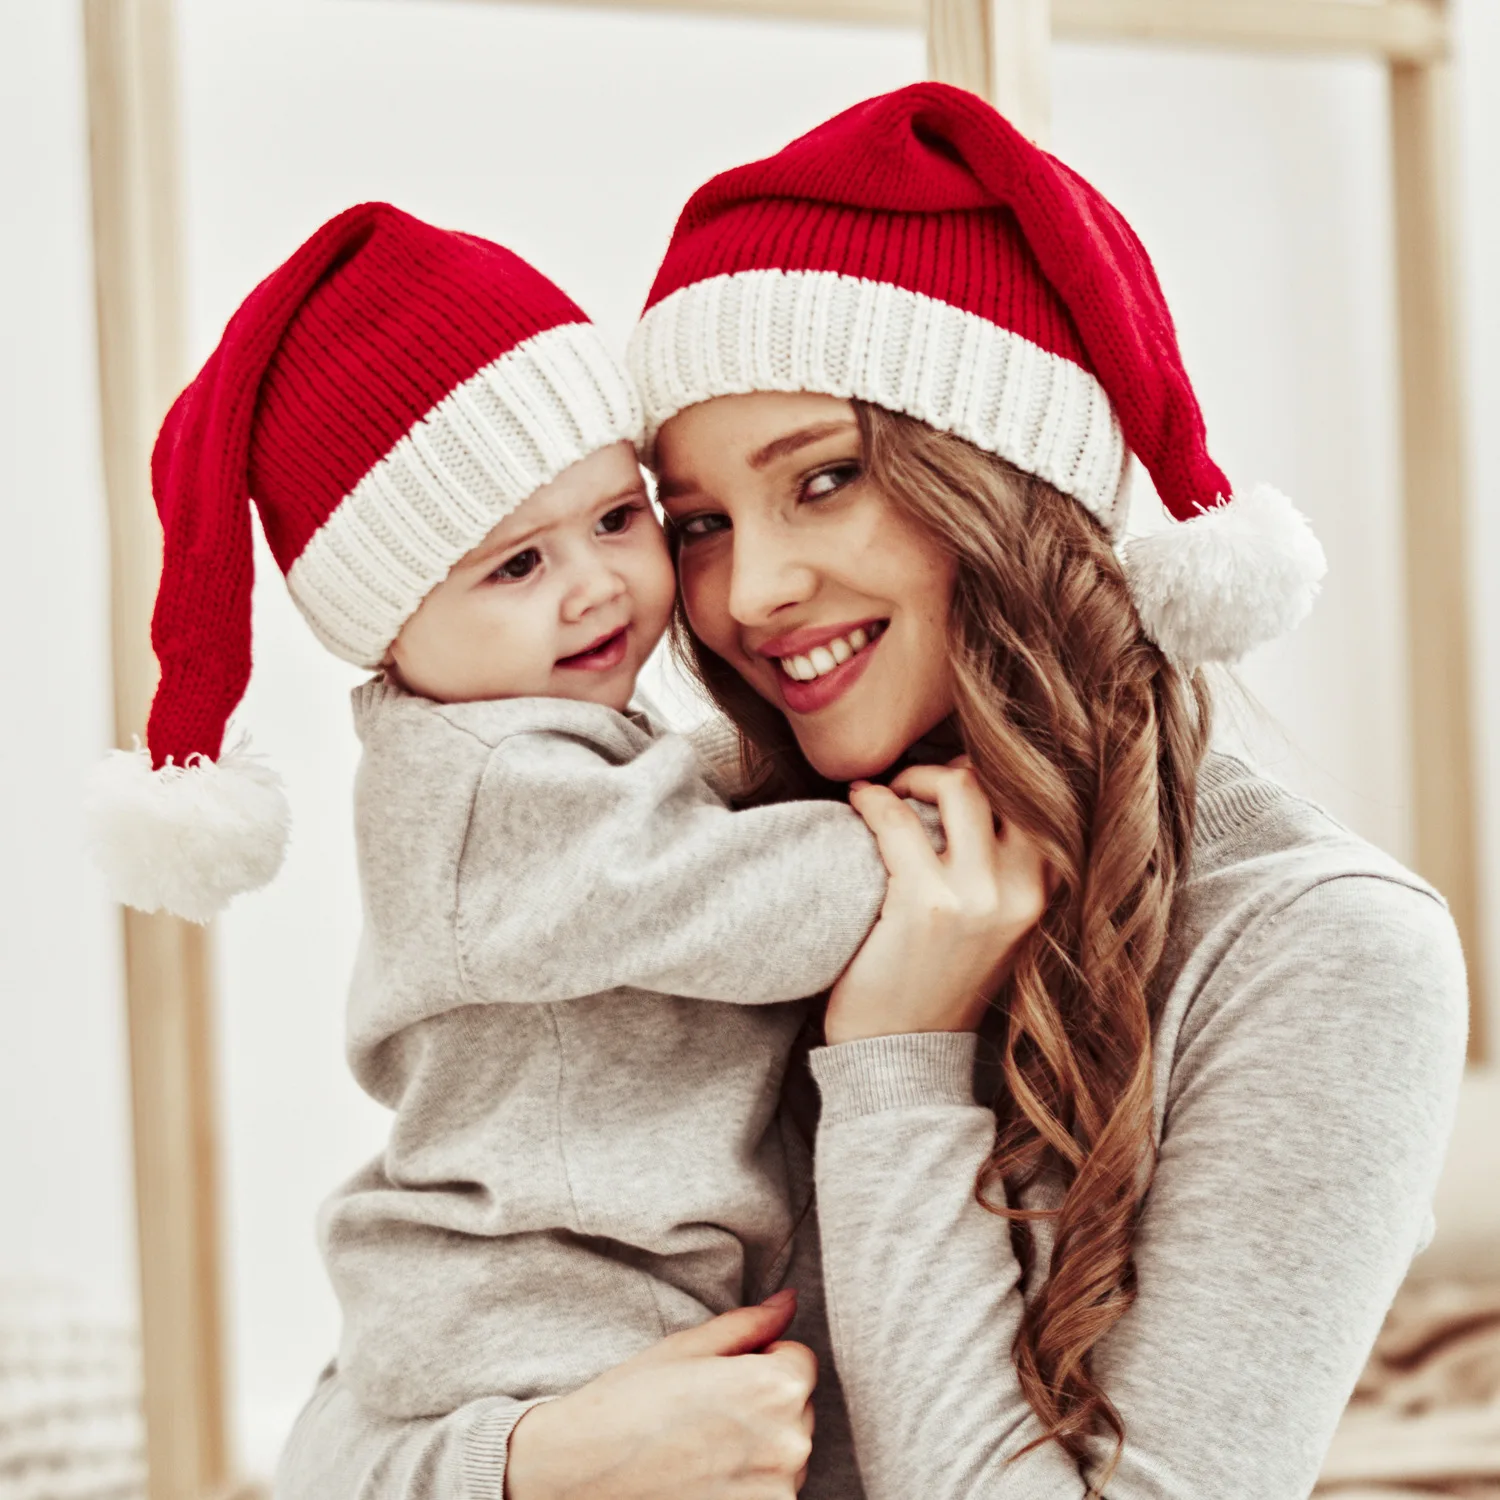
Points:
(65, 1201)
(574, 136)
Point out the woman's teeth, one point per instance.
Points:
(823, 659)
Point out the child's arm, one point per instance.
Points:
(581, 875)
(340, 1450)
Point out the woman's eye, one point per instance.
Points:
(695, 528)
(829, 481)
(522, 565)
(613, 522)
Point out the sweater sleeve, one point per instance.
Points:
(340, 1451)
(581, 875)
(1311, 1099)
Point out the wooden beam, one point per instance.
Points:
(958, 43)
(999, 49)
(1398, 30)
(1435, 552)
(1404, 30)
(138, 282)
(904, 13)
(1021, 64)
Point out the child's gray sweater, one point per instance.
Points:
(1307, 1062)
(558, 908)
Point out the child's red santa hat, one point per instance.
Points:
(918, 253)
(386, 397)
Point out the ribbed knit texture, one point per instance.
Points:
(872, 341)
(512, 427)
(406, 314)
(928, 190)
(364, 336)
(977, 261)
(486, 1446)
(1231, 797)
(895, 1072)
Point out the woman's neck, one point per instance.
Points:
(936, 748)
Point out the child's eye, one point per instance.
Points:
(829, 481)
(613, 522)
(522, 565)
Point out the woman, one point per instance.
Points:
(1129, 1113)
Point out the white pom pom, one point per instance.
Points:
(1230, 579)
(186, 839)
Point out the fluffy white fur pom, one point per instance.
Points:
(186, 839)
(1230, 579)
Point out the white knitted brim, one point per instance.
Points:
(489, 444)
(871, 341)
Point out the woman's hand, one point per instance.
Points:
(951, 922)
(698, 1416)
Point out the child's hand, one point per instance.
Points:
(950, 922)
(718, 1412)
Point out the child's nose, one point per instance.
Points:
(595, 584)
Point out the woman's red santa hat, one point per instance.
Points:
(386, 397)
(918, 253)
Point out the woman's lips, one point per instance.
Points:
(600, 657)
(810, 697)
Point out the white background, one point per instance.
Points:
(1260, 185)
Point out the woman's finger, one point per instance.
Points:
(1023, 858)
(968, 819)
(799, 1362)
(742, 1330)
(903, 844)
(917, 781)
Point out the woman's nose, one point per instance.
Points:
(767, 575)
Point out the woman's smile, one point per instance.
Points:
(804, 577)
(816, 667)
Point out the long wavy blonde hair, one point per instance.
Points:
(1083, 733)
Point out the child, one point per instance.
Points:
(581, 1158)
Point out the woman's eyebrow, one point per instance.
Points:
(671, 489)
(790, 442)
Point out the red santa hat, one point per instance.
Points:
(386, 397)
(918, 253)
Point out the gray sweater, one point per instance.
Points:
(1307, 1067)
(558, 907)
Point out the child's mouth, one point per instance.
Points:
(601, 656)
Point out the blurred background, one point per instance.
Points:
(1260, 184)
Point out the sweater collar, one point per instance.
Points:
(1231, 796)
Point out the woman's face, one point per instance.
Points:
(806, 578)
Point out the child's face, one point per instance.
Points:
(565, 598)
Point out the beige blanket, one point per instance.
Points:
(1425, 1418)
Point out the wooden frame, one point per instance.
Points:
(138, 288)
(995, 47)
(1401, 30)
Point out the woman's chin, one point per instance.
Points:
(836, 761)
(851, 748)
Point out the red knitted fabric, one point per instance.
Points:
(411, 314)
(326, 365)
(929, 189)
